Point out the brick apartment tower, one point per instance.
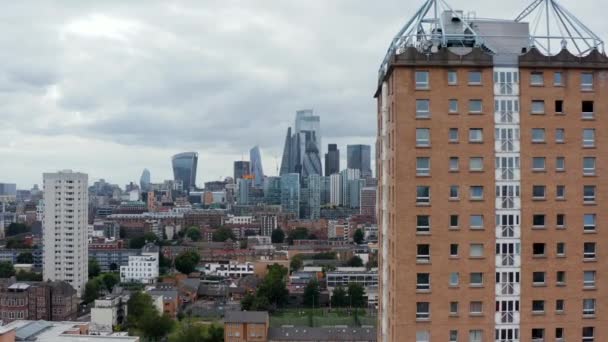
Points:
(493, 175)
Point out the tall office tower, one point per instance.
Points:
(290, 193)
(64, 233)
(313, 183)
(312, 161)
(8, 192)
(325, 190)
(309, 126)
(491, 168)
(368, 202)
(144, 181)
(335, 189)
(286, 160)
(257, 171)
(241, 170)
(184, 169)
(354, 198)
(243, 190)
(359, 157)
(272, 190)
(308, 130)
(332, 160)
(346, 176)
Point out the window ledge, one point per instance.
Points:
(476, 314)
(539, 285)
(589, 288)
(538, 313)
(473, 286)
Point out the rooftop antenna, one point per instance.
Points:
(560, 25)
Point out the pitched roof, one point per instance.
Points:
(246, 317)
(322, 334)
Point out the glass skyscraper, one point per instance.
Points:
(290, 193)
(332, 160)
(144, 180)
(241, 169)
(359, 157)
(272, 190)
(184, 169)
(257, 171)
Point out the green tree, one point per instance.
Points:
(92, 290)
(155, 326)
(260, 303)
(113, 267)
(187, 261)
(222, 234)
(16, 244)
(189, 332)
(28, 276)
(150, 237)
(300, 233)
(110, 280)
(194, 233)
(94, 268)
(311, 293)
(277, 236)
(137, 243)
(6, 269)
(358, 237)
(296, 262)
(25, 258)
(274, 287)
(356, 295)
(339, 298)
(355, 261)
(16, 229)
(139, 304)
(247, 302)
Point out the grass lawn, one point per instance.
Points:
(320, 317)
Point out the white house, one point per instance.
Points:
(142, 268)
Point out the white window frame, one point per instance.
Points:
(421, 111)
(589, 142)
(421, 170)
(587, 170)
(538, 107)
(472, 135)
(422, 142)
(422, 84)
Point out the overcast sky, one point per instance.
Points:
(112, 87)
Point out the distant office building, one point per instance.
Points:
(332, 160)
(355, 187)
(313, 183)
(325, 190)
(312, 160)
(290, 193)
(346, 176)
(8, 192)
(268, 223)
(272, 190)
(243, 189)
(308, 130)
(368, 201)
(257, 171)
(215, 186)
(144, 181)
(359, 157)
(335, 189)
(241, 169)
(142, 268)
(184, 169)
(65, 228)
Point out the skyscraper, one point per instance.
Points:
(346, 176)
(308, 131)
(290, 193)
(335, 189)
(184, 169)
(257, 171)
(312, 161)
(359, 157)
(313, 184)
(287, 159)
(243, 189)
(332, 160)
(272, 190)
(241, 169)
(490, 178)
(64, 233)
(144, 181)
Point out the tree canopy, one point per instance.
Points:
(272, 291)
(222, 234)
(16, 229)
(94, 268)
(355, 261)
(192, 332)
(25, 258)
(187, 261)
(277, 236)
(194, 233)
(311, 294)
(6, 269)
(296, 262)
(339, 298)
(356, 295)
(358, 237)
(145, 319)
(300, 233)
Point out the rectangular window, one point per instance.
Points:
(423, 336)
(559, 306)
(560, 192)
(559, 107)
(475, 106)
(538, 335)
(537, 79)
(538, 163)
(538, 221)
(475, 135)
(476, 192)
(454, 164)
(476, 308)
(560, 220)
(589, 279)
(586, 81)
(476, 164)
(589, 193)
(454, 192)
(589, 166)
(454, 279)
(453, 308)
(423, 194)
(423, 224)
(538, 306)
(538, 107)
(423, 109)
(422, 80)
(589, 222)
(560, 135)
(560, 278)
(423, 253)
(475, 335)
(538, 278)
(474, 77)
(423, 281)
(454, 221)
(588, 334)
(589, 250)
(538, 249)
(588, 110)
(453, 135)
(558, 79)
(423, 137)
(588, 137)
(423, 311)
(476, 279)
(476, 221)
(588, 307)
(452, 77)
(453, 336)
(560, 164)
(476, 250)
(538, 192)
(453, 250)
(423, 166)
(538, 135)
(560, 249)
(453, 106)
